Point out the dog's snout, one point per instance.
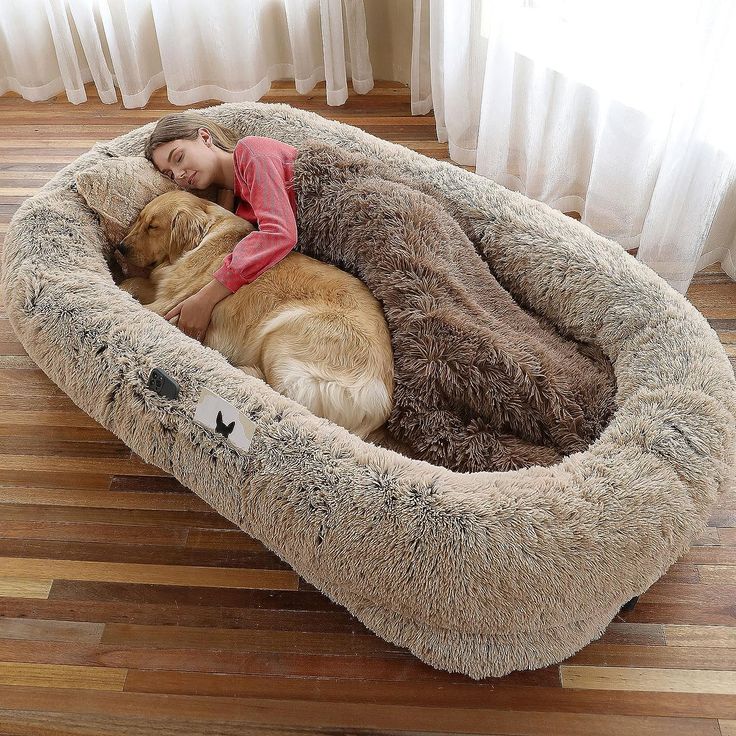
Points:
(123, 248)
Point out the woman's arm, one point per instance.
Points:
(276, 235)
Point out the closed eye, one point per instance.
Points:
(178, 160)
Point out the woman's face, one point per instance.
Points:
(192, 164)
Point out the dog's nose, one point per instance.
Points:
(123, 248)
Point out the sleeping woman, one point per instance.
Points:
(255, 176)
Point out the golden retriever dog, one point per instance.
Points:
(313, 332)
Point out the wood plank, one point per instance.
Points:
(143, 573)
(109, 499)
(119, 466)
(273, 711)
(650, 679)
(61, 676)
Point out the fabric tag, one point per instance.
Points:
(222, 417)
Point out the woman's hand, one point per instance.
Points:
(194, 315)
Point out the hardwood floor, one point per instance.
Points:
(128, 607)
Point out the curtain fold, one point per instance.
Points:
(228, 50)
(621, 111)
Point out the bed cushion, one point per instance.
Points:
(117, 188)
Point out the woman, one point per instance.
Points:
(254, 171)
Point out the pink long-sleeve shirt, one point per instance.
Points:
(264, 193)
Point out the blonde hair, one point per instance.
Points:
(185, 126)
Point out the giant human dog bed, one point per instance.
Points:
(480, 573)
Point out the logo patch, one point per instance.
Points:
(222, 417)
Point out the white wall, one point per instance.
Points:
(389, 27)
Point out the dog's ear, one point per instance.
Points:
(188, 226)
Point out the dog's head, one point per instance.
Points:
(168, 226)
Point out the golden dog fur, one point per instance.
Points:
(313, 332)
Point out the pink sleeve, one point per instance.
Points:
(277, 232)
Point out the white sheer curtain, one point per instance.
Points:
(227, 50)
(621, 110)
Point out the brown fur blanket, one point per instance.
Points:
(481, 383)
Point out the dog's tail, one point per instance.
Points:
(359, 408)
(355, 399)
